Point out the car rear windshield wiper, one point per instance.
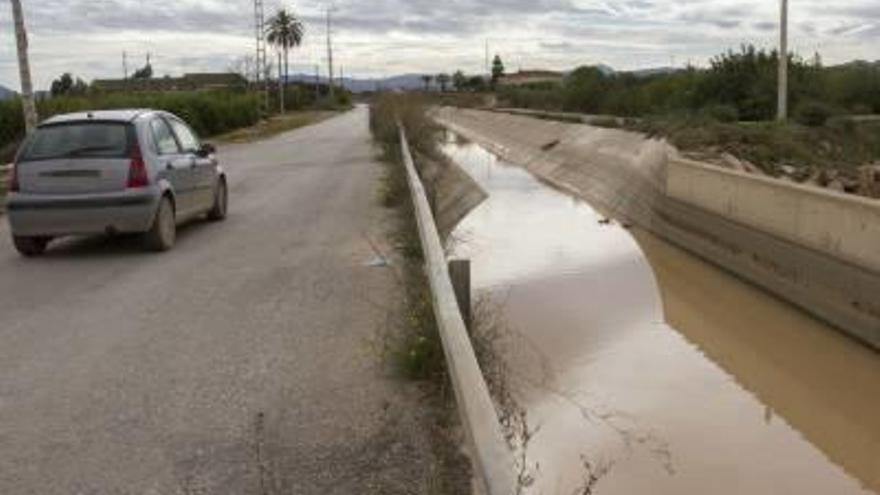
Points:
(89, 149)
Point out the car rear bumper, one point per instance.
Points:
(56, 215)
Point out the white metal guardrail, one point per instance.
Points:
(492, 457)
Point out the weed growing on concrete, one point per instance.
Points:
(593, 473)
(489, 334)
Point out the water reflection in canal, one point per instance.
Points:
(654, 371)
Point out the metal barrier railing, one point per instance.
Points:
(492, 458)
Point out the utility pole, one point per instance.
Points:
(24, 69)
(317, 82)
(281, 82)
(262, 62)
(125, 66)
(330, 50)
(782, 114)
(486, 66)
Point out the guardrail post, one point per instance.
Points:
(460, 273)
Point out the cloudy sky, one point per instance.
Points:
(385, 37)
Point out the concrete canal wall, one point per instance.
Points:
(817, 249)
(843, 226)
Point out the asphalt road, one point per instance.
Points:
(241, 362)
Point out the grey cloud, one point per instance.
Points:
(557, 46)
(846, 29)
(640, 4)
(725, 18)
(81, 35)
(808, 28)
(115, 15)
(863, 12)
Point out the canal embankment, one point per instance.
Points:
(640, 368)
(814, 248)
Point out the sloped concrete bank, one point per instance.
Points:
(452, 193)
(782, 238)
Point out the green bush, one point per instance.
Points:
(209, 112)
(11, 126)
(743, 82)
(722, 113)
(813, 113)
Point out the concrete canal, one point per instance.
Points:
(651, 371)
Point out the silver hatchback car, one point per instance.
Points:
(120, 171)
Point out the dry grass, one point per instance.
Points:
(414, 349)
(410, 343)
(276, 125)
(840, 144)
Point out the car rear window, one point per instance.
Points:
(78, 140)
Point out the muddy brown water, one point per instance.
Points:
(652, 371)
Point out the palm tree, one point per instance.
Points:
(443, 81)
(427, 80)
(459, 80)
(285, 31)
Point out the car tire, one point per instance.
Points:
(30, 246)
(221, 202)
(163, 232)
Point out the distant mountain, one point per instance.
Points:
(6, 93)
(363, 85)
(859, 63)
(655, 71)
(606, 69)
(414, 81)
(652, 71)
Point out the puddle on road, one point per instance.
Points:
(665, 378)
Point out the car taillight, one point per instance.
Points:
(13, 179)
(137, 169)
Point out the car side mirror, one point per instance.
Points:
(207, 150)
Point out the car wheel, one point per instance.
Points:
(163, 233)
(221, 202)
(30, 246)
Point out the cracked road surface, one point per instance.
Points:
(240, 362)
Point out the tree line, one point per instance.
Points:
(461, 82)
(737, 86)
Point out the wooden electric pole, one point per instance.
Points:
(24, 69)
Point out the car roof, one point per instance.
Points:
(126, 115)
